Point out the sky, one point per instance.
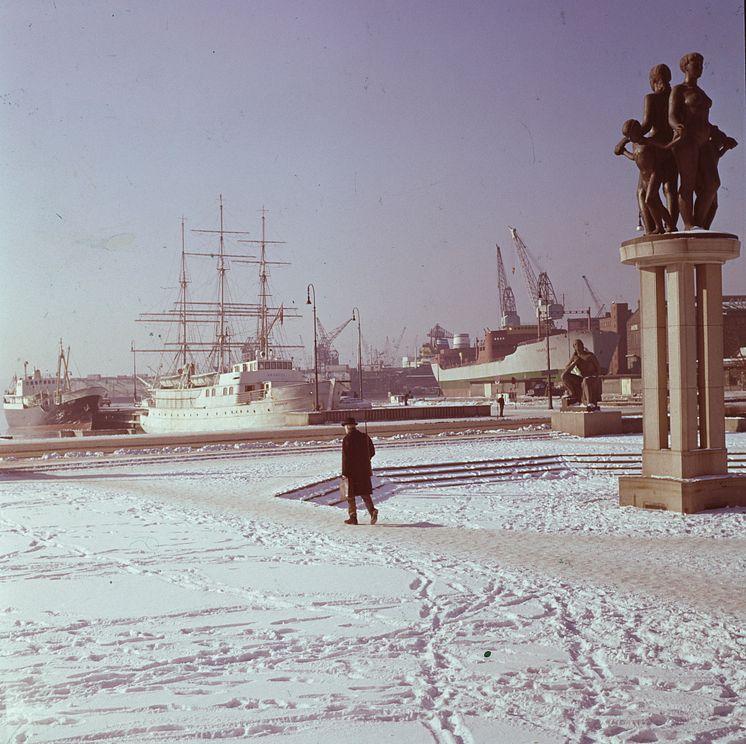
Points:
(391, 143)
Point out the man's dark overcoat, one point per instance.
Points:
(357, 451)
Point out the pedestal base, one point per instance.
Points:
(685, 496)
(587, 424)
(697, 463)
(735, 423)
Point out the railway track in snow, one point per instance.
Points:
(164, 455)
(436, 474)
(74, 447)
(441, 475)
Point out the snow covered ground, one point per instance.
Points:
(163, 597)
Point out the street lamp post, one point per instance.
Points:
(134, 375)
(309, 289)
(543, 311)
(359, 350)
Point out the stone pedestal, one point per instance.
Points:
(735, 423)
(684, 459)
(685, 496)
(587, 424)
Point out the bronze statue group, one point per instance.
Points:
(680, 153)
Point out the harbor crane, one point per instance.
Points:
(437, 333)
(327, 354)
(508, 312)
(599, 305)
(393, 350)
(397, 345)
(541, 289)
(388, 357)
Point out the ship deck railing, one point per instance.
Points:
(250, 396)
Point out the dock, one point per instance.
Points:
(15, 449)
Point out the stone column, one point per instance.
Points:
(684, 462)
(710, 380)
(654, 353)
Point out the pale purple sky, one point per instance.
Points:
(391, 142)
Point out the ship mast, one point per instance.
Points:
(222, 336)
(58, 390)
(63, 373)
(222, 341)
(187, 312)
(263, 320)
(264, 323)
(183, 282)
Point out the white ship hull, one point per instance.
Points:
(528, 361)
(189, 410)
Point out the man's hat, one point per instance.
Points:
(349, 421)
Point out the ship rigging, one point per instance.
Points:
(246, 382)
(226, 346)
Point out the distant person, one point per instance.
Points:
(584, 387)
(407, 396)
(500, 405)
(357, 451)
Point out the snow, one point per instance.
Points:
(164, 596)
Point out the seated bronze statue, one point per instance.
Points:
(584, 385)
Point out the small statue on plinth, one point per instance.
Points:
(583, 386)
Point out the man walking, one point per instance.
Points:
(357, 451)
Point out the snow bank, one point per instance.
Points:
(174, 599)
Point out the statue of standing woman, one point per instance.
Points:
(695, 154)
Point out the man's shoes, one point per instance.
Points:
(374, 516)
(351, 520)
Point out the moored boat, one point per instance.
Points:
(40, 404)
(259, 389)
(527, 360)
(256, 393)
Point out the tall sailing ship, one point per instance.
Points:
(38, 404)
(242, 383)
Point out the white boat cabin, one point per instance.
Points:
(248, 381)
(30, 388)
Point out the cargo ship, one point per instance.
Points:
(40, 404)
(512, 358)
(518, 358)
